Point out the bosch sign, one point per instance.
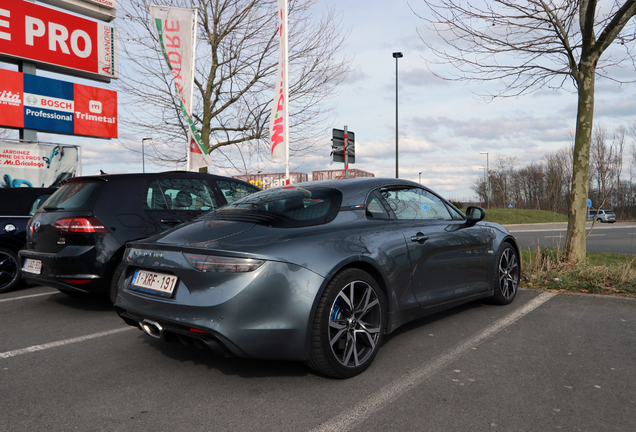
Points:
(56, 39)
(33, 102)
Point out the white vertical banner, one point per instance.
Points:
(176, 33)
(279, 120)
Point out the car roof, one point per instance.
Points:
(164, 174)
(18, 201)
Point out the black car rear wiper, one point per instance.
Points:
(52, 208)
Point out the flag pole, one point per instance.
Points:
(189, 107)
(286, 93)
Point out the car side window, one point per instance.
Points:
(375, 209)
(38, 203)
(234, 190)
(456, 214)
(180, 194)
(415, 203)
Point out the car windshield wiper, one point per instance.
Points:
(52, 208)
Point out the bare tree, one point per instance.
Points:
(531, 44)
(237, 55)
(606, 163)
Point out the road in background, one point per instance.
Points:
(546, 362)
(619, 237)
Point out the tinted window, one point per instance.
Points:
(75, 196)
(415, 203)
(375, 209)
(233, 191)
(38, 203)
(179, 194)
(287, 206)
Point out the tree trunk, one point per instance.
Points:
(575, 247)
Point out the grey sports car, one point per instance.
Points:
(316, 272)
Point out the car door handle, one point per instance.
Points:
(172, 221)
(419, 238)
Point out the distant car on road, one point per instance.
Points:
(316, 272)
(76, 241)
(17, 205)
(607, 216)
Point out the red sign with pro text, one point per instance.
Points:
(45, 35)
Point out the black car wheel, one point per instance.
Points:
(9, 270)
(348, 326)
(507, 275)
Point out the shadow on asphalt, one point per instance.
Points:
(245, 368)
(85, 302)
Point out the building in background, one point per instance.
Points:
(272, 180)
(334, 174)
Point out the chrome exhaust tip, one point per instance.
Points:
(152, 328)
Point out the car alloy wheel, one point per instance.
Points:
(9, 270)
(349, 325)
(507, 275)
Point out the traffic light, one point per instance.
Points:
(337, 146)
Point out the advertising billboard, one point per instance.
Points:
(45, 104)
(57, 40)
(99, 9)
(36, 165)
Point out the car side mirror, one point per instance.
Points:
(475, 214)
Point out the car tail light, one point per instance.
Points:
(209, 263)
(88, 224)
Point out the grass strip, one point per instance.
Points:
(601, 273)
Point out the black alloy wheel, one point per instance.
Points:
(349, 325)
(9, 270)
(507, 275)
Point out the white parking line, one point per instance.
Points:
(28, 296)
(35, 348)
(356, 415)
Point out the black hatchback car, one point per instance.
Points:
(76, 241)
(17, 205)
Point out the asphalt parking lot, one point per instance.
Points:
(546, 362)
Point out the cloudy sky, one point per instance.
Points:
(443, 125)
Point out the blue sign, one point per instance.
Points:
(509, 205)
(589, 203)
(48, 104)
(426, 207)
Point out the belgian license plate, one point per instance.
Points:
(156, 283)
(32, 266)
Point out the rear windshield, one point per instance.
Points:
(74, 196)
(291, 206)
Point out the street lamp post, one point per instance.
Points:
(396, 56)
(420, 177)
(143, 154)
(487, 181)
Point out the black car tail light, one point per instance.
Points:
(209, 263)
(88, 224)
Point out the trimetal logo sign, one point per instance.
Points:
(57, 40)
(44, 104)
